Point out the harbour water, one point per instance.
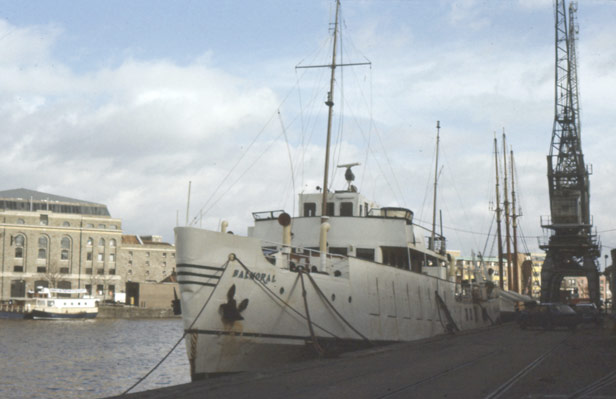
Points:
(88, 359)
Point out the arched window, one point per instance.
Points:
(65, 243)
(20, 241)
(43, 241)
(90, 242)
(101, 242)
(66, 224)
(21, 221)
(112, 242)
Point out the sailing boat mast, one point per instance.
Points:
(498, 220)
(330, 105)
(438, 129)
(507, 221)
(514, 218)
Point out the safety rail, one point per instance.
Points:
(308, 258)
(267, 215)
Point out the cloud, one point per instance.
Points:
(133, 135)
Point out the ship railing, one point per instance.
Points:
(308, 258)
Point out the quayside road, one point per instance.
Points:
(499, 362)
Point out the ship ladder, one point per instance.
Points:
(451, 326)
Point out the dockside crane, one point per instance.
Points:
(572, 248)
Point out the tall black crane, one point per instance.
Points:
(572, 249)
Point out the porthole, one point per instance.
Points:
(350, 299)
(333, 297)
(281, 290)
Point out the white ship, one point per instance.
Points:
(55, 303)
(310, 285)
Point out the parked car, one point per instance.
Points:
(589, 313)
(548, 316)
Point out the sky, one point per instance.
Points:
(125, 103)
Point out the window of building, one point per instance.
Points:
(65, 243)
(18, 288)
(66, 224)
(89, 270)
(90, 242)
(64, 285)
(147, 263)
(41, 269)
(100, 257)
(19, 252)
(89, 289)
(100, 271)
(164, 254)
(112, 242)
(99, 289)
(64, 270)
(89, 256)
(42, 242)
(147, 254)
(310, 209)
(130, 254)
(89, 226)
(20, 240)
(44, 221)
(130, 262)
(42, 253)
(346, 209)
(112, 258)
(101, 242)
(101, 226)
(21, 221)
(330, 209)
(111, 271)
(18, 269)
(113, 227)
(164, 264)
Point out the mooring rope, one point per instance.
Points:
(282, 301)
(224, 267)
(315, 342)
(322, 295)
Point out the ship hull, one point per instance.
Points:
(242, 313)
(43, 315)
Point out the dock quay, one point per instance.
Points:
(498, 362)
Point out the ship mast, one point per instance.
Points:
(514, 219)
(330, 106)
(507, 221)
(432, 246)
(498, 220)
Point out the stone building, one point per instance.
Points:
(53, 241)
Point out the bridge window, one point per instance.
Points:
(338, 251)
(365, 253)
(346, 209)
(310, 209)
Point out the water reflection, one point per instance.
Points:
(92, 358)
